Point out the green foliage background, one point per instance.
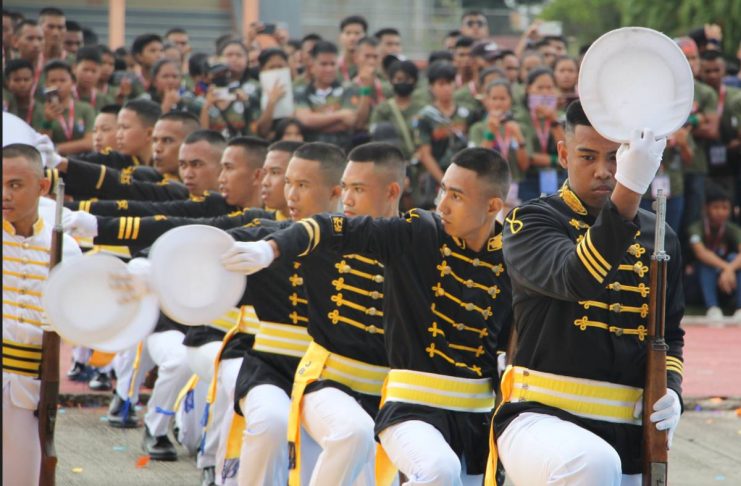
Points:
(586, 20)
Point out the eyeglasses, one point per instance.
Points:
(475, 23)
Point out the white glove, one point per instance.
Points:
(46, 147)
(638, 162)
(248, 257)
(667, 411)
(80, 224)
(501, 362)
(135, 283)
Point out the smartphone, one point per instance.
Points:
(268, 29)
(219, 75)
(551, 27)
(51, 95)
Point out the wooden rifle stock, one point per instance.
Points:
(49, 396)
(655, 447)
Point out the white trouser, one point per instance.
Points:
(123, 365)
(166, 350)
(81, 354)
(228, 373)
(21, 447)
(421, 452)
(201, 362)
(538, 449)
(188, 419)
(338, 423)
(263, 459)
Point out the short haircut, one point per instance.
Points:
(436, 56)
(142, 41)
(73, 26)
(556, 38)
(295, 43)
(386, 31)
(284, 123)
(89, 37)
(256, 149)
(715, 193)
(190, 121)
(266, 54)
(19, 26)
(146, 110)
(14, 65)
(488, 165)
(405, 66)
(711, 55)
(311, 38)
(354, 20)
(55, 64)
(323, 47)
(104, 50)
(288, 146)
(109, 110)
(371, 41)
(575, 116)
(384, 155)
(330, 157)
(88, 53)
(204, 135)
(464, 42)
(441, 70)
(50, 12)
(175, 30)
(27, 152)
(472, 13)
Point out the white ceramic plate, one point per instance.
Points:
(635, 78)
(193, 286)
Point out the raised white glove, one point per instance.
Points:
(667, 411)
(248, 257)
(135, 283)
(501, 362)
(638, 162)
(80, 224)
(48, 154)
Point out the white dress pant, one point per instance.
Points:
(201, 362)
(228, 373)
(166, 350)
(344, 431)
(21, 446)
(421, 452)
(188, 420)
(538, 449)
(263, 459)
(123, 365)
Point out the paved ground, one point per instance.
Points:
(706, 451)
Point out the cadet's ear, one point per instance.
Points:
(562, 154)
(150, 131)
(336, 192)
(495, 205)
(394, 191)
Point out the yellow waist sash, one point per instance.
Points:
(318, 363)
(440, 391)
(22, 359)
(591, 399)
(285, 339)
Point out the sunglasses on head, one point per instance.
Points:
(475, 23)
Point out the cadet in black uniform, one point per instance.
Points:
(579, 263)
(447, 301)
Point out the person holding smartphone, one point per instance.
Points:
(68, 122)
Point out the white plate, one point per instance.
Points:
(635, 78)
(142, 326)
(81, 305)
(193, 286)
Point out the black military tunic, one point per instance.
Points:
(581, 294)
(86, 180)
(345, 293)
(207, 205)
(278, 296)
(111, 158)
(444, 309)
(140, 232)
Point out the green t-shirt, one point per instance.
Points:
(237, 118)
(722, 242)
(82, 118)
(9, 103)
(101, 100)
(477, 137)
(445, 135)
(464, 97)
(706, 103)
(384, 113)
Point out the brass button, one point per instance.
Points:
(616, 308)
(24, 260)
(493, 290)
(26, 246)
(469, 306)
(446, 251)
(476, 262)
(619, 331)
(460, 326)
(372, 329)
(469, 283)
(345, 268)
(525, 373)
(375, 295)
(378, 278)
(371, 311)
